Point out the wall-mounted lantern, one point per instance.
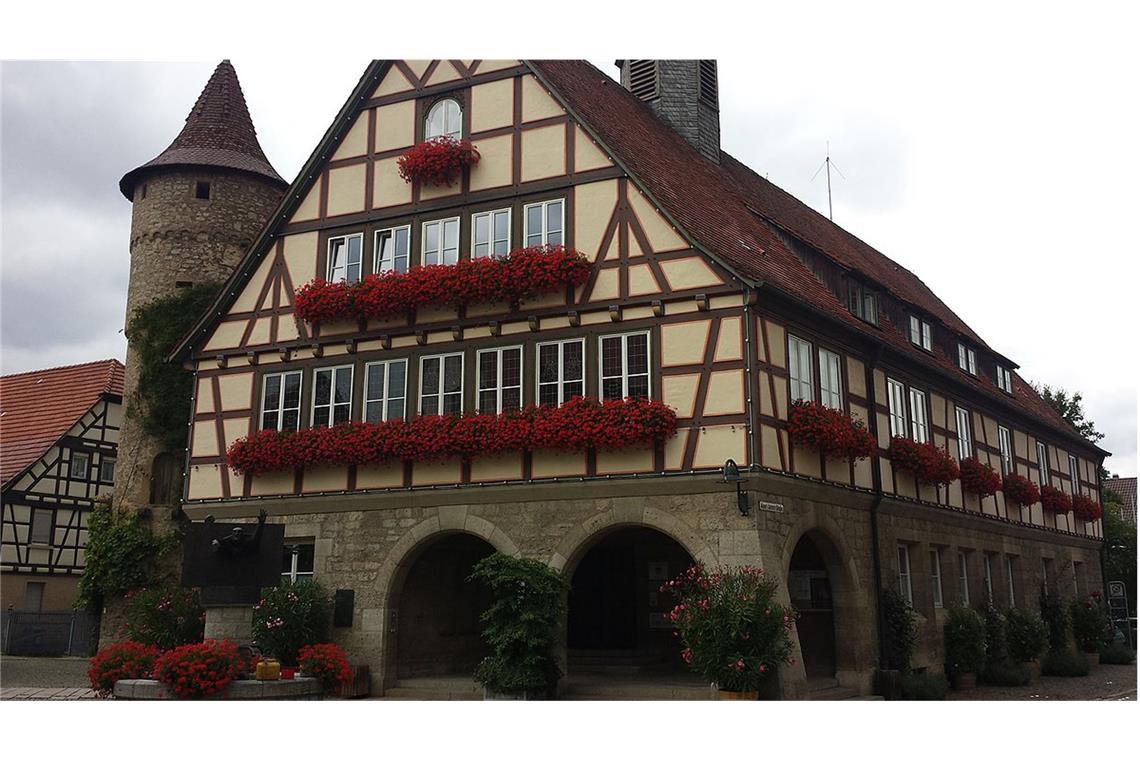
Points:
(731, 472)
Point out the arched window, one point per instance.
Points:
(444, 118)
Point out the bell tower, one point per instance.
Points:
(196, 208)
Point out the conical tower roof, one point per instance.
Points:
(218, 133)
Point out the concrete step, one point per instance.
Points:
(831, 693)
(435, 688)
(633, 691)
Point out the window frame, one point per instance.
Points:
(545, 234)
(826, 395)
(1009, 581)
(1043, 474)
(625, 375)
(965, 437)
(442, 374)
(1005, 379)
(893, 414)
(1005, 449)
(49, 517)
(334, 369)
(490, 214)
(1074, 475)
(293, 546)
(432, 109)
(387, 398)
(963, 577)
(801, 348)
(282, 409)
(858, 295)
(442, 222)
(377, 258)
(921, 333)
(72, 462)
(103, 463)
(988, 577)
(906, 589)
(935, 554)
(918, 403)
(967, 359)
(561, 382)
(329, 277)
(498, 387)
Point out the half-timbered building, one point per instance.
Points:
(59, 433)
(710, 290)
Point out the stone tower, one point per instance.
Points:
(196, 208)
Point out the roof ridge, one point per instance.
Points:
(112, 361)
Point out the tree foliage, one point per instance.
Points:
(1069, 406)
(1120, 546)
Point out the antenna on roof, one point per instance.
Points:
(828, 163)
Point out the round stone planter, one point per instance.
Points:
(297, 688)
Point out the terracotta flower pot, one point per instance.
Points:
(1093, 658)
(747, 695)
(1034, 668)
(965, 681)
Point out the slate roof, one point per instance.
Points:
(37, 408)
(218, 133)
(1125, 488)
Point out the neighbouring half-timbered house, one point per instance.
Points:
(704, 289)
(59, 433)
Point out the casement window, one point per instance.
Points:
(936, 577)
(297, 561)
(862, 302)
(500, 380)
(543, 223)
(281, 401)
(1074, 475)
(1004, 379)
(344, 258)
(799, 369)
(624, 366)
(107, 470)
(34, 596)
(830, 379)
(920, 333)
(332, 396)
(967, 360)
(444, 119)
(40, 530)
(385, 390)
(896, 400)
(1042, 464)
(491, 233)
(441, 241)
(1046, 575)
(987, 567)
(1077, 572)
(905, 589)
(1009, 581)
(1005, 446)
(80, 466)
(561, 371)
(392, 248)
(963, 579)
(965, 437)
(441, 384)
(919, 429)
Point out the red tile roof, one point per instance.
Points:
(218, 133)
(1125, 488)
(37, 408)
(736, 215)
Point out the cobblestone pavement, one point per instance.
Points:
(1107, 682)
(43, 672)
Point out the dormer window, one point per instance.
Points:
(920, 333)
(967, 360)
(1005, 379)
(444, 119)
(862, 302)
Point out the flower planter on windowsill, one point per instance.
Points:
(930, 464)
(837, 434)
(438, 161)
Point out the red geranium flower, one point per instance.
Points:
(931, 464)
(835, 433)
(979, 478)
(438, 161)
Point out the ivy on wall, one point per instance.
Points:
(122, 555)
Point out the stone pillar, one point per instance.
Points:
(233, 622)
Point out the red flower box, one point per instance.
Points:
(1020, 490)
(837, 434)
(1085, 508)
(577, 425)
(929, 463)
(199, 670)
(523, 274)
(326, 662)
(1055, 500)
(438, 161)
(979, 478)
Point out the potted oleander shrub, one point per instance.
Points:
(290, 616)
(1026, 637)
(528, 602)
(165, 617)
(965, 639)
(1091, 629)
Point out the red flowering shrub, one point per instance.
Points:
(579, 424)
(1020, 490)
(325, 662)
(127, 659)
(1055, 500)
(437, 161)
(1085, 508)
(834, 432)
(929, 463)
(522, 274)
(978, 477)
(199, 670)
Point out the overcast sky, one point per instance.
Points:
(992, 170)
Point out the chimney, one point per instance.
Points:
(684, 94)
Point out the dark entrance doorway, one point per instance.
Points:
(438, 631)
(617, 617)
(810, 590)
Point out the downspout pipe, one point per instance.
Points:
(877, 486)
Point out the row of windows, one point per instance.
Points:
(623, 372)
(921, 334)
(543, 224)
(79, 467)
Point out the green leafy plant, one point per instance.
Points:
(997, 648)
(1064, 662)
(922, 686)
(165, 617)
(735, 633)
(1005, 673)
(1026, 635)
(162, 401)
(290, 616)
(1091, 628)
(122, 555)
(965, 634)
(1056, 618)
(1117, 653)
(900, 630)
(528, 603)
